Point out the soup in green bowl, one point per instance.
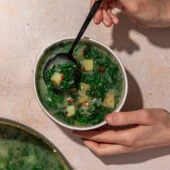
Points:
(22, 148)
(101, 89)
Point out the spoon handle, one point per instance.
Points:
(86, 23)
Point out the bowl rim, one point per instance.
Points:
(36, 134)
(55, 119)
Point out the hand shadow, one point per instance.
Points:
(138, 157)
(158, 36)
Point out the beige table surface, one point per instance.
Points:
(27, 26)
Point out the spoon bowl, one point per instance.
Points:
(59, 59)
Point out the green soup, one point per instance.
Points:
(99, 90)
(20, 150)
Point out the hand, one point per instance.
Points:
(149, 128)
(147, 13)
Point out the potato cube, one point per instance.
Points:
(57, 78)
(84, 87)
(109, 100)
(88, 65)
(85, 100)
(70, 111)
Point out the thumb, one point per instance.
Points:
(141, 117)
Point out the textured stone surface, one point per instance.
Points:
(26, 27)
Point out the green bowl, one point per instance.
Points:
(21, 147)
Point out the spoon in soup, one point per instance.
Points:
(62, 58)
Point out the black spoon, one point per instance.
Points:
(67, 57)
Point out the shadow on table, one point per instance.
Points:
(142, 156)
(123, 42)
(134, 97)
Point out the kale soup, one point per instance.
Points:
(22, 148)
(101, 89)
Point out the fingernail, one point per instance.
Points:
(115, 119)
(106, 21)
(112, 120)
(95, 20)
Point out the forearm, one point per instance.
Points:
(155, 13)
(165, 13)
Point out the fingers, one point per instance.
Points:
(104, 13)
(141, 117)
(105, 17)
(102, 149)
(98, 17)
(99, 14)
(107, 20)
(114, 18)
(109, 136)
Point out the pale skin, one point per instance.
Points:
(141, 129)
(149, 128)
(147, 13)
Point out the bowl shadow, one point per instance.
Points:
(134, 99)
(138, 157)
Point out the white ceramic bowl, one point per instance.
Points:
(90, 41)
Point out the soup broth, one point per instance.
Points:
(99, 92)
(20, 150)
